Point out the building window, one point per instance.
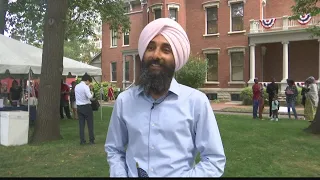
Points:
(212, 69)
(126, 39)
(113, 71)
(237, 16)
(114, 38)
(126, 71)
(157, 13)
(212, 20)
(237, 60)
(173, 14)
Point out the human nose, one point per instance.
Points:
(157, 53)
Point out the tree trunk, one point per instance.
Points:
(47, 127)
(314, 127)
(3, 12)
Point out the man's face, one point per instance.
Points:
(158, 56)
(158, 66)
(87, 82)
(273, 80)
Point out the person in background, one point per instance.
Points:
(84, 109)
(73, 100)
(304, 90)
(15, 94)
(272, 90)
(261, 101)
(256, 90)
(110, 93)
(160, 125)
(311, 99)
(64, 100)
(275, 108)
(291, 92)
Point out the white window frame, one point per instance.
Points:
(211, 51)
(241, 49)
(156, 7)
(174, 6)
(230, 2)
(125, 45)
(205, 5)
(111, 38)
(111, 76)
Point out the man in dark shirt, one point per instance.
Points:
(15, 93)
(272, 90)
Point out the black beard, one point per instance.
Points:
(156, 82)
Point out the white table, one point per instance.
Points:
(14, 128)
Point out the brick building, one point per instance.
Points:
(240, 39)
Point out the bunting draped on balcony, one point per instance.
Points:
(267, 23)
(304, 19)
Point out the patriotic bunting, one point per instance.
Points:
(268, 23)
(304, 19)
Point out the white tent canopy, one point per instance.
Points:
(18, 58)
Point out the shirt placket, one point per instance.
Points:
(153, 128)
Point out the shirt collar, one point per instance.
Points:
(174, 88)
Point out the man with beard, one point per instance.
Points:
(161, 125)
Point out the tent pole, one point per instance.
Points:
(28, 85)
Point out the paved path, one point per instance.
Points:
(217, 107)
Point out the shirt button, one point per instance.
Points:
(151, 169)
(153, 124)
(152, 147)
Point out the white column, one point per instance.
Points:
(252, 62)
(134, 68)
(123, 71)
(285, 63)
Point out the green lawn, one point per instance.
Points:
(253, 148)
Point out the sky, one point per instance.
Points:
(5, 33)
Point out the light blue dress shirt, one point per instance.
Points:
(164, 136)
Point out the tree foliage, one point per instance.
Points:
(25, 19)
(193, 74)
(304, 7)
(82, 51)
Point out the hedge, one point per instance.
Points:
(246, 96)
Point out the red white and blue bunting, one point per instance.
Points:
(304, 19)
(268, 23)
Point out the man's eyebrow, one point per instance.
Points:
(151, 42)
(166, 45)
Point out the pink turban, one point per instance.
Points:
(174, 34)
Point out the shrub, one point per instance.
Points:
(246, 96)
(105, 86)
(193, 74)
(299, 97)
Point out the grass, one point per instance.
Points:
(253, 148)
(248, 109)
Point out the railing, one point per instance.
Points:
(282, 23)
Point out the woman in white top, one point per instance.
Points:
(312, 99)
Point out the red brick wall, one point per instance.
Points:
(278, 8)
(196, 29)
(114, 54)
(192, 17)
